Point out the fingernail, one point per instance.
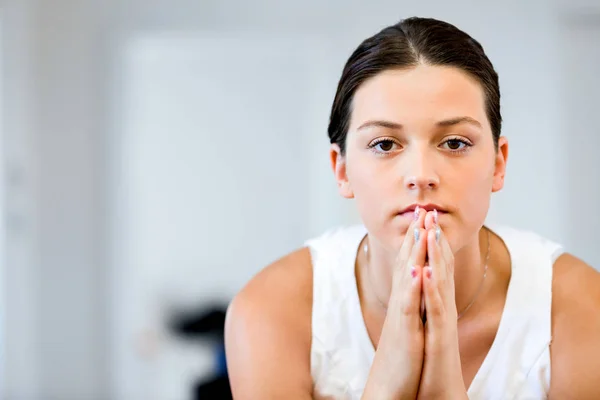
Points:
(413, 272)
(438, 233)
(417, 233)
(435, 217)
(428, 272)
(416, 213)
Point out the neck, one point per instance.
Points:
(469, 263)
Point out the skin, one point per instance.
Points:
(434, 146)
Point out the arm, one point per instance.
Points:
(575, 349)
(268, 337)
(267, 333)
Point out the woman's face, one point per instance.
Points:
(420, 136)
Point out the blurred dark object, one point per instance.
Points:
(207, 323)
(217, 388)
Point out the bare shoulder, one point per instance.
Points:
(268, 331)
(575, 348)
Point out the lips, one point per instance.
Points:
(427, 207)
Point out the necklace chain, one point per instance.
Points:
(485, 268)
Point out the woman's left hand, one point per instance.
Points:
(441, 377)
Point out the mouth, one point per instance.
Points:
(410, 210)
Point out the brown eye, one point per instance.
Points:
(454, 144)
(385, 145)
(457, 145)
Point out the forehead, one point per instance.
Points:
(419, 95)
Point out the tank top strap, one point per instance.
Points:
(518, 361)
(337, 361)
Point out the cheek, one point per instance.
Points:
(371, 190)
(376, 193)
(472, 202)
(475, 196)
(366, 179)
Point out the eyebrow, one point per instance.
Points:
(397, 126)
(381, 124)
(459, 120)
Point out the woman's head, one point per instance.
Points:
(416, 120)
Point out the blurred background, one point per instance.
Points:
(154, 155)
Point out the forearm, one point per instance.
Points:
(385, 390)
(397, 365)
(385, 383)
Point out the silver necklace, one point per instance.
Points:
(485, 268)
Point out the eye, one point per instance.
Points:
(383, 145)
(457, 145)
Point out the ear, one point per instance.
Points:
(338, 164)
(500, 164)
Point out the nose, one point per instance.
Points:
(421, 173)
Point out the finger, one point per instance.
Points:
(404, 260)
(419, 219)
(419, 250)
(446, 251)
(430, 219)
(408, 276)
(415, 250)
(409, 238)
(436, 292)
(434, 304)
(431, 222)
(437, 262)
(411, 302)
(442, 271)
(418, 258)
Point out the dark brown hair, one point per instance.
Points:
(408, 43)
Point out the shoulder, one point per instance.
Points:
(575, 348)
(287, 279)
(268, 330)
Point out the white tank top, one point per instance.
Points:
(518, 363)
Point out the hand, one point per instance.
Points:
(397, 366)
(442, 371)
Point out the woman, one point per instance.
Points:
(423, 301)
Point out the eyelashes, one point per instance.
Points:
(383, 142)
(458, 141)
(454, 145)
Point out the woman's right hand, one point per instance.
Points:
(398, 362)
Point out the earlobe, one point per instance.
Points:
(500, 164)
(338, 164)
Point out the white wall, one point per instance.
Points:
(2, 235)
(54, 287)
(61, 143)
(579, 88)
(20, 312)
(210, 184)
